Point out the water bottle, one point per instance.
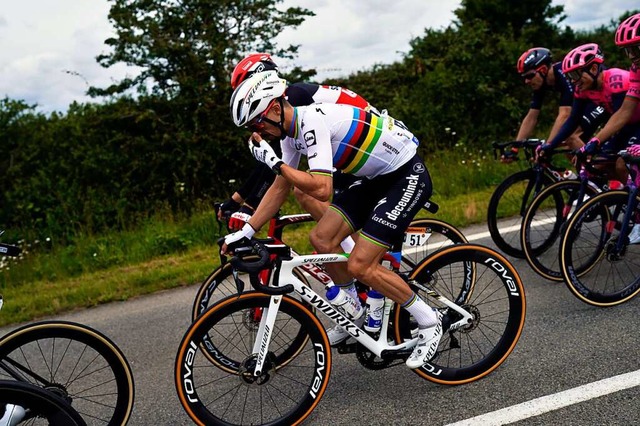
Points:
(343, 300)
(375, 307)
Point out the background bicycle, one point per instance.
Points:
(74, 363)
(599, 258)
(516, 192)
(545, 220)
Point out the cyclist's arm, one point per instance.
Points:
(563, 113)
(258, 174)
(271, 203)
(317, 185)
(260, 189)
(528, 124)
(619, 118)
(571, 123)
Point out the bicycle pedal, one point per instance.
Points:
(346, 348)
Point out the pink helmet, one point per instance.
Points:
(582, 57)
(628, 32)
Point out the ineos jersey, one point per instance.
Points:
(347, 138)
(561, 84)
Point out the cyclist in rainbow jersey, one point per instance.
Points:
(394, 185)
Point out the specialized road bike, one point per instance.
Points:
(236, 367)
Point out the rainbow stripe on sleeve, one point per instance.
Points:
(356, 147)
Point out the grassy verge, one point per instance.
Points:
(169, 252)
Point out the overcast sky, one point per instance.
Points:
(48, 47)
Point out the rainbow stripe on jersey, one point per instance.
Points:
(357, 145)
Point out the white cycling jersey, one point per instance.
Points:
(349, 139)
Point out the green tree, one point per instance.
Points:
(188, 47)
(185, 51)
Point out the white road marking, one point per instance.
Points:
(512, 228)
(548, 403)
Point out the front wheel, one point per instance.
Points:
(495, 299)
(75, 362)
(507, 207)
(226, 392)
(545, 222)
(599, 265)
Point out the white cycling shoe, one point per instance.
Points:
(338, 334)
(634, 235)
(428, 341)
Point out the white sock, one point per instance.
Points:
(421, 311)
(348, 244)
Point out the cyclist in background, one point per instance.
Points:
(538, 71)
(393, 186)
(626, 120)
(608, 88)
(246, 198)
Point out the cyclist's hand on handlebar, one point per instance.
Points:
(591, 147)
(509, 156)
(542, 151)
(634, 150)
(247, 231)
(238, 219)
(227, 208)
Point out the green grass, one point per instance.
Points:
(169, 252)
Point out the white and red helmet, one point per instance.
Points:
(254, 96)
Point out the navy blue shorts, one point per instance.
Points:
(383, 207)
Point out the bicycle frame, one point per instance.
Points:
(632, 203)
(379, 347)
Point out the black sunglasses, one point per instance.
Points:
(575, 75)
(528, 75)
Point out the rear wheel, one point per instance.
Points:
(75, 362)
(495, 298)
(425, 236)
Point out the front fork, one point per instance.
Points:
(265, 331)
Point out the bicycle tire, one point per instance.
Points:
(545, 222)
(497, 297)
(509, 195)
(440, 234)
(591, 268)
(41, 406)
(82, 365)
(198, 380)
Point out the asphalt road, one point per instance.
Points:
(565, 344)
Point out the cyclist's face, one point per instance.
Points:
(533, 79)
(266, 128)
(581, 79)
